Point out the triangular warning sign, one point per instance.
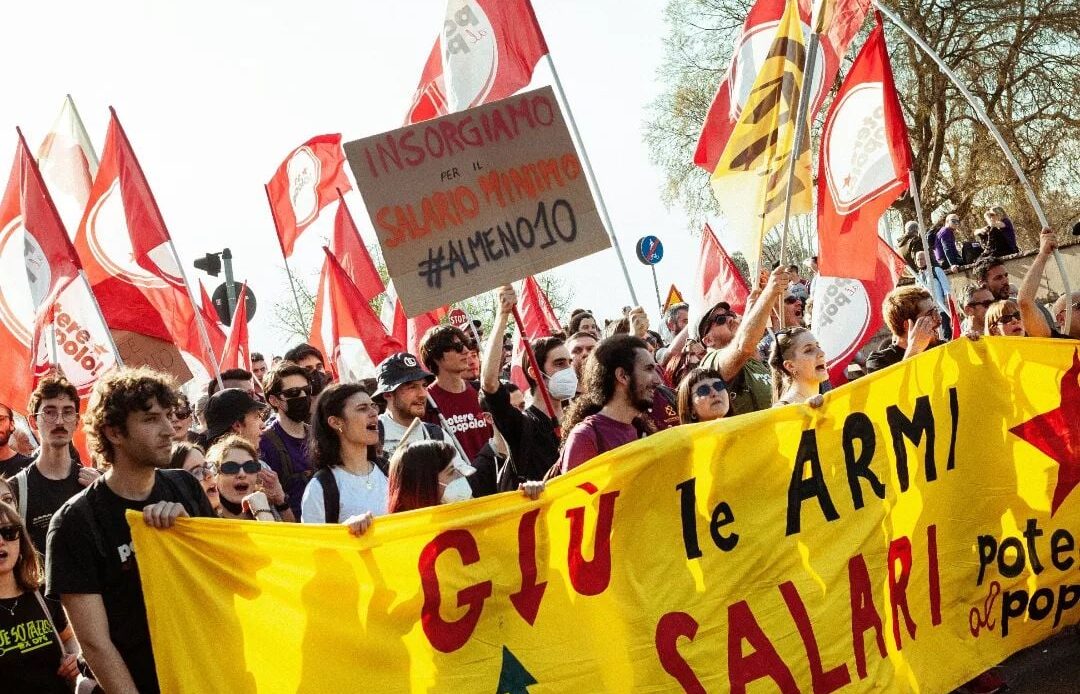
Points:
(513, 678)
(673, 297)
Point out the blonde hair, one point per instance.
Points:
(217, 452)
(996, 311)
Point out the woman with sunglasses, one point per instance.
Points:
(240, 475)
(1003, 318)
(182, 417)
(39, 653)
(702, 397)
(344, 450)
(798, 368)
(190, 457)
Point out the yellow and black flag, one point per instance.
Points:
(750, 179)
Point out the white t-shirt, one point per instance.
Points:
(359, 494)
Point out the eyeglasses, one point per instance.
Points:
(203, 471)
(181, 414)
(1007, 318)
(10, 533)
(51, 414)
(984, 304)
(722, 318)
(290, 393)
(460, 347)
(251, 467)
(703, 389)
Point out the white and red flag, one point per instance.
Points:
(405, 330)
(47, 315)
(128, 257)
(68, 163)
(537, 320)
(847, 312)
(717, 278)
(307, 181)
(752, 46)
(347, 246)
(487, 50)
(864, 164)
(345, 328)
(236, 354)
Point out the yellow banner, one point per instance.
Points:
(917, 529)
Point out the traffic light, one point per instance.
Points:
(210, 264)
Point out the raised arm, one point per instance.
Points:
(743, 346)
(1034, 321)
(492, 361)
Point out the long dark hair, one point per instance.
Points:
(685, 398)
(324, 443)
(778, 354)
(414, 475)
(28, 573)
(180, 452)
(598, 377)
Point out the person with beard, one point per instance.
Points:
(992, 273)
(621, 379)
(11, 461)
(530, 435)
(91, 565)
(350, 479)
(798, 368)
(57, 474)
(402, 384)
(976, 299)
(913, 319)
(283, 445)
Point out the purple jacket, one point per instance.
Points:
(945, 248)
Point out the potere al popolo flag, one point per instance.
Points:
(345, 328)
(750, 182)
(847, 312)
(307, 181)
(128, 257)
(864, 163)
(717, 278)
(752, 45)
(486, 51)
(918, 528)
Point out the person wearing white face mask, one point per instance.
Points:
(531, 436)
(422, 474)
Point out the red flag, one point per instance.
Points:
(126, 252)
(752, 46)
(487, 51)
(538, 320)
(305, 183)
(847, 312)
(236, 353)
(345, 328)
(347, 246)
(717, 277)
(210, 318)
(864, 164)
(405, 330)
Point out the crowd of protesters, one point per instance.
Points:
(281, 443)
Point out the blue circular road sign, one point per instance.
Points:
(649, 250)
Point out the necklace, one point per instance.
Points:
(369, 484)
(11, 610)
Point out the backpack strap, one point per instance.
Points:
(283, 455)
(48, 616)
(186, 498)
(331, 495)
(22, 491)
(434, 431)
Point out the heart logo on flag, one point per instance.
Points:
(304, 171)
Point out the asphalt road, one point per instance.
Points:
(1051, 667)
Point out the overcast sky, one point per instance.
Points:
(213, 95)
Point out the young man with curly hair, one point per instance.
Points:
(91, 563)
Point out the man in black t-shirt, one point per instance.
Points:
(11, 461)
(91, 563)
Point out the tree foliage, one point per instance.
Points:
(1018, 57)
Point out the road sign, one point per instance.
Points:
(458, 318)
(221, 303)
(649, 250)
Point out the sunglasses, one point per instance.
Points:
(460, 347)
(792, 300)
(721, 318)
(704, 389)
(1007, 318)
(251, 467)
(181, 414)
(203, 471)
(10, 533)
(290, 393)
(984, 304)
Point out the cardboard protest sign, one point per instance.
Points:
(918, 528)
(467, 202)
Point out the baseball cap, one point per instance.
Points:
(398, 369)
(227, 407)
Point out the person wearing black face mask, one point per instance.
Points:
(283, 445)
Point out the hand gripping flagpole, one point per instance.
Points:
(985, 118)
(591, 177)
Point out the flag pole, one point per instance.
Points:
(656, 286)
(292, 282)
(591, 177)
(536, 370)
(800, 131)
(980, 112)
